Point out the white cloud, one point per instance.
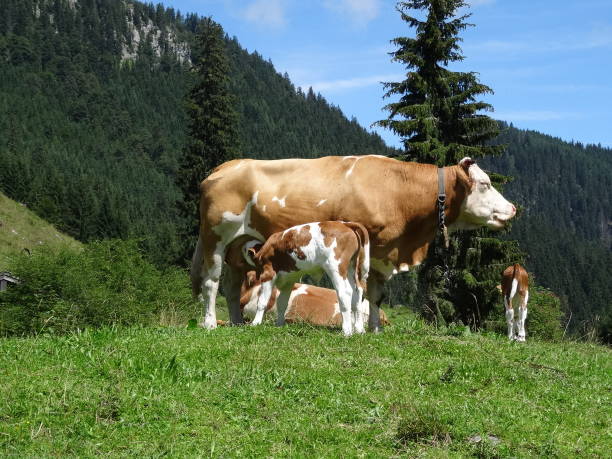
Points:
(266, 13)
(351, 83)
(360, 11)
(536, 115)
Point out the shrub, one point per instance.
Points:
(109, 282)
(544, 316)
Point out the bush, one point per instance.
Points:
(544, 316)
(109, 282)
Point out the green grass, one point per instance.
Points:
(21, 229)
(301, 391)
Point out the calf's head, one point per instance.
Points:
(483, 205)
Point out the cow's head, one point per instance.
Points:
(483, 205)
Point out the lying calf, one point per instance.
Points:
(307, 304)
(339, 249)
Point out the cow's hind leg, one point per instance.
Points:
(232, 281)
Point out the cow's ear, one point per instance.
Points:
(465, 163)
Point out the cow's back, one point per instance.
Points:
(285, 193)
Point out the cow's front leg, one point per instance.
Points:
(210, 286)
(281, 305)
(231, 285)
(375, 295)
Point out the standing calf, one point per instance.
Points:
(339, 249)
(515, 280)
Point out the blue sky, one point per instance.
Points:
(548, 61)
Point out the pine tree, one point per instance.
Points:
(438, 115)
(440, 120)
(213, 133)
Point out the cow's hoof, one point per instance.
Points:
(520, 339)
(208, 325)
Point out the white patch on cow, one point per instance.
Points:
(301, 290)
(404, 268)
(321, 202)
(316, 253)
(350, 171)
(264, 208)
(281, 201)
(245, 251)
(236, 225)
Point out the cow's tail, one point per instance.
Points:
(196, 269)
(362, 263)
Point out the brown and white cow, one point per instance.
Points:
(308, 304)
(515, 280)
(339, 249)
(394, 200)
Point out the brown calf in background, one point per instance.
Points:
(515, 280)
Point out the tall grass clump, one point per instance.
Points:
(108, 282)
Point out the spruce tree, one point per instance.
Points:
(440, 119)
(438, 115)
(213, 134)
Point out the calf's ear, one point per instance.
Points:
(465, 163)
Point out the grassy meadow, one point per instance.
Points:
(302, 391)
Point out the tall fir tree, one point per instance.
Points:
(440, 119)
(438, 115)
(213, 120)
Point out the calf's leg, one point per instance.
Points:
(357, 310)
(522, 317)
(509, 316)
(345, 297)
(265, 292)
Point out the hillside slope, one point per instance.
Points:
(95, 148)
(20, 229)
(301, 392)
